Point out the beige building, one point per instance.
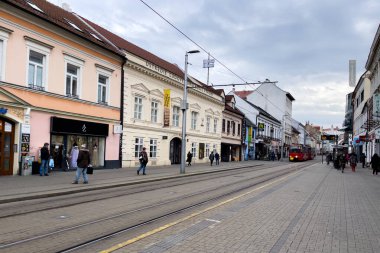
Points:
(149, 121)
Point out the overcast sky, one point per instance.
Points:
(305, 45)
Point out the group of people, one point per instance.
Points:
(352, 159)
(80, 159)
(211, 157)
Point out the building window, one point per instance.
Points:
(215, 125)
(362, 96)
(138, 108)
(154, 112)
(72, 77)
(208, 122)
(228, 126)
(233, 127)
(207, 149)
(103, 82)
(194, 149)
(223, 126)
(153, 148)
(36, 71)
(238, 130)
(138, 146)
(214, 148)
(176, 110)
(194, 116)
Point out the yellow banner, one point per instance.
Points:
(166, 107)
(166, 98)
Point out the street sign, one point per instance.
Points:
(209, 63)
(327, 137)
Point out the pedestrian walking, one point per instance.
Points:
(211, 157)
(272, 156)
(143, 158)
(342, 160)
(375, 162)
(362, 159)
(189, 158)
(353, 161)
(45, 156)
(83, 162)
(217, 157)
(278, 156)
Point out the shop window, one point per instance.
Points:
(214, 148)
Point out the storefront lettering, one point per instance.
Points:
(84, 128)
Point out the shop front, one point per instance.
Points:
(65, 133)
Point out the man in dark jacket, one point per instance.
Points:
(83, 161)
(45, 155)
(143, 158)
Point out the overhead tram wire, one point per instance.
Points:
(204, 50)
(207, 52)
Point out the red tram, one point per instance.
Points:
(298, 153)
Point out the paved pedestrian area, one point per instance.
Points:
(318, 209)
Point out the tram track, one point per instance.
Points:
(162, 210)
(35, 205)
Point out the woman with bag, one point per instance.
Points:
(83, 162)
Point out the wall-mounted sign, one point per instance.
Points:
(25, 129)
(117, 129)
(3, 110)
(261, 126)
(69, 126)
(25, 138)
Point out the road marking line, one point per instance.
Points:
(154, 231)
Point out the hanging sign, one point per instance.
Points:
(166, 107)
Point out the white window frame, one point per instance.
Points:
(176, 116)
(207, 149)
(140, 106)
(194, 149)
(194, 117)
(215, 125)
(108, 75)
(79, 64)
(154, 111)
(153, 148)
(4, 36)
(139, 143)
(208, 123)
(31, 46)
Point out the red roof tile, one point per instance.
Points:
(243, 94)
(60, 17)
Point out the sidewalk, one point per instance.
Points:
(16, 188)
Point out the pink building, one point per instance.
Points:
(60, 83)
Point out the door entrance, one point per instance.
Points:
(175, 150)
(6, 147)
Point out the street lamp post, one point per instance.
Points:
(184, 108)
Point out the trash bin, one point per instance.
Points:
(35, 168)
